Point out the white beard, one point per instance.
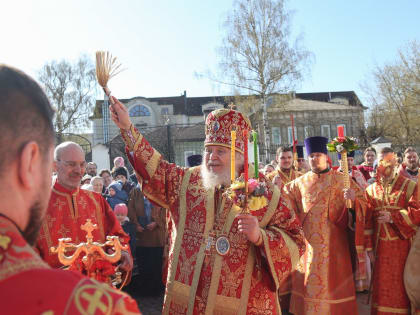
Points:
(212, 180)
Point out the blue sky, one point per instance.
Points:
(162, 43)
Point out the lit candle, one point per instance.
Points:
(340, 131)
(246, 175)
(255, 139)
(232, 155)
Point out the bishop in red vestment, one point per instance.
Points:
(220, 262)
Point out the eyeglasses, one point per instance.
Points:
(73, 164)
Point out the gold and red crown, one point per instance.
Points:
(219, 124)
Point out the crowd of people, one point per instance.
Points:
(293, 239)
(387, 243)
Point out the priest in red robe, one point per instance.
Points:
(220, 261)
(323, 282)
(284, 174)
(69, 208)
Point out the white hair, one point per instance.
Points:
(87, 187)
(95, 178)
(64, 146)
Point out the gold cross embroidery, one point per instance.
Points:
(50, 220)
(63, 230)
(94, 302)
(89, 227)
(59, 204)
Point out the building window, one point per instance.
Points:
(276, 136)
(164, 111)
(139, 110)
(345, 130)
(309, 131)
(325, 131)
(290, 134)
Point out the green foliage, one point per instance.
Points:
(341, 145)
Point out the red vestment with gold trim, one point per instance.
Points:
(286, 287)
(402, 169)
(29, 286)
(323, 282)
(393, 245)
(201, 281)
(67, 211)
(285, 178)
(362, 279)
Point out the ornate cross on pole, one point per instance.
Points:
(89, 227)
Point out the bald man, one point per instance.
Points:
(69, 208)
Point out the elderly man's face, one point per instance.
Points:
(285, 160)
(215, 169)
(411, 159)
(318, 161)
(97, 184)
(217, 159)
(70, 167)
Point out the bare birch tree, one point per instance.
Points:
(258, 54)
(71, 89)
(394, 94)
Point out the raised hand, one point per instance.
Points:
(119, 114)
